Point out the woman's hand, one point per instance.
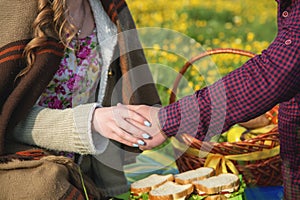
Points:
(150, 113)
(112, 122)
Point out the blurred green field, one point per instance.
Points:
(173, 31)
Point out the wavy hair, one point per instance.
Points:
(51, 17)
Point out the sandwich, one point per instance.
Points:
(141, 188)
(198, 184)
(171, 190)
(194, 175)
(218, 187)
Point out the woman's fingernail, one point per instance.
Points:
(147, 123)
(135, 145)
(141, 142)
(146, 136)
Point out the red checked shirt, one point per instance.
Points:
(267, 79)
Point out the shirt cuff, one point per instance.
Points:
(169, 119)
(96, 142)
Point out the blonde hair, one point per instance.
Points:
(51, 16)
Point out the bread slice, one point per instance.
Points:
(171, 190)
(217, 184)
(149, 183)
(193, 175)
(216, 197)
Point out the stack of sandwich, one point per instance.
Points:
(198, 184)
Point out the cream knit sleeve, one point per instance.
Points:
(63, 130)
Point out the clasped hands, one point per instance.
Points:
(132, 125)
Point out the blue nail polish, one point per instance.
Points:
(147, 123)
(146, 136)
(135, 145)
(141, 142)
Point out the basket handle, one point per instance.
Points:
(200, 56)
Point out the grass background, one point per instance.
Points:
(173, 31)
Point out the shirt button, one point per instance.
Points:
(110, 72)
(288, 42)
(285, 14)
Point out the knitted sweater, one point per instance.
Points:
(121, 54)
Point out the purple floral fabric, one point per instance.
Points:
(78, 75)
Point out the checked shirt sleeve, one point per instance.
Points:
(249, 91)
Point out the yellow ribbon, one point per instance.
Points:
(220, 162)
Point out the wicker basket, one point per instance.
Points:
(257, 159)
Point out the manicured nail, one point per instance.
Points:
(146, 136)
(135, 145)
(141, 142)
(147, 123)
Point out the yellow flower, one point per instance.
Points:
(250, 36)
(228, 25)
(197, 87)
(201, 23)
(156, 47)
(237, 20)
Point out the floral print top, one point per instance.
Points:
(78, 75)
